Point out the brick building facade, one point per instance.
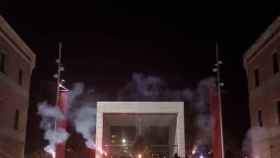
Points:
(16, 64)
(261, 62)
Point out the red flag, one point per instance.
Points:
(63, 105)
(91, 153)
(216, 120)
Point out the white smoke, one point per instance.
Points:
(81, 114)
(204, 124)
(49, 115)
(148, 86)
(78, 89)
(142, 87)
(255, 142)
(84, 123)
(46, 110)
(82, 110)
(153, 88)
(54, 136)
(187, 94)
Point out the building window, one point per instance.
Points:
(260, 121)
(278, 111)
(16, 121)
(257, 78)
(20, 77)
(275, 63)
(2, 62)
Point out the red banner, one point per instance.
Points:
(63, 105)
(216, 127)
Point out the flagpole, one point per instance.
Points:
(58, 79)
(59, 69)
(219, 85)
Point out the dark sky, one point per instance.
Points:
(105, 41)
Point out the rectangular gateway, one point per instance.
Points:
(140, 129)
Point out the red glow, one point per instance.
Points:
(63, 105)
(216, 132)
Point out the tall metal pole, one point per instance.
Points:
(219, 85)
(59, 69)
(58, 79)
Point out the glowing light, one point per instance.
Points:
(105, 154)
(139, 155)
(123, 140)
(102, 152)
(50, 150)
(53, 154)
(194, 150)
(201, 156)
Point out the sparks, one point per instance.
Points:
(53, 154)
(51, 151)
(194, 150)
(102, 151)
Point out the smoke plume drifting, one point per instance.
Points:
(84, 122)
(55, 136)
(48, 111)
(49, 115)
(81, 115)
(153, 88)
(255, 143)
(82, 108)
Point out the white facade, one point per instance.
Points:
(174, 108)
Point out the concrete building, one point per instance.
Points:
(261, 62)
(160, 124)
(16, 64)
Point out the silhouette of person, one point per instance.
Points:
(176, 155)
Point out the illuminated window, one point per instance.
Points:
(121, 133)
(113, 141)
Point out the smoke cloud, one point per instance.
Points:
(46, 110)
(258, 136)
(82, 110)
(84, 123)
(55, 136)
(78, 89)
(141, 88)
(81, 115)
(153, 88)
(49, 115)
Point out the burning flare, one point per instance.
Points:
(50, 150)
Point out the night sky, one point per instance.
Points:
(105, 41)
